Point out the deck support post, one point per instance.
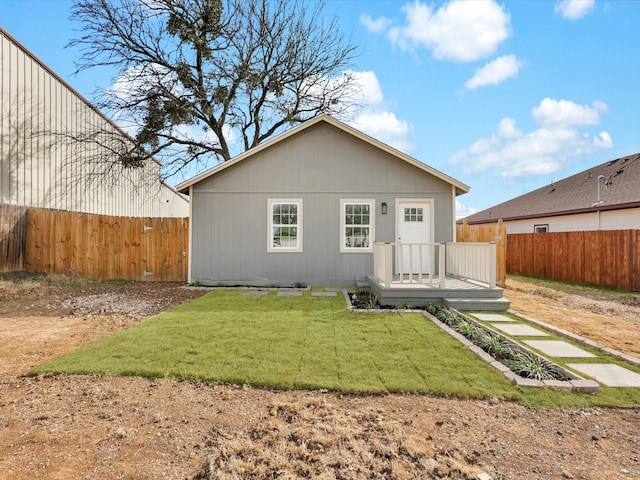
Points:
(492, 264)
(388, 264)
(442, 266)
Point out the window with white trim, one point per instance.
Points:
(356, 225)
(285, 225)
(541, 228)
(413, 214)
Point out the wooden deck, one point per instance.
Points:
(456, 293)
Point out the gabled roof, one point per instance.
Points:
(619, 182)
(460, 187)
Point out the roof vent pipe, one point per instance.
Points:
(599, 202)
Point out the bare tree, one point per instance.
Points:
(193, 77)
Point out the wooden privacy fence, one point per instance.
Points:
(486, 233)
(105, 247)
(608, 258)
(13, 228)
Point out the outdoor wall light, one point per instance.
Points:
(384, 208)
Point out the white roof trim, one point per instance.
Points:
(460, 187)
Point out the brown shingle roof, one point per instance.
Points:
(619, 188)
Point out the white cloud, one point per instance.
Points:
(507, 128)
(495, 72)
(370, 114)
(370, 92)
(461, 31)
(386, 127)
(563, 113)
(574, 9)
(463, 210)
(603, 141)
(377, 25)
(515, 154)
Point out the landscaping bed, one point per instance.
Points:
(520, 365)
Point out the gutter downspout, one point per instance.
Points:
(189, 253)
(598, 201)
(453, 209)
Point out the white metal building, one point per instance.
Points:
(41, 163)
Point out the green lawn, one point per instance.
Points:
(306, 343)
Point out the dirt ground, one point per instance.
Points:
(91, 427)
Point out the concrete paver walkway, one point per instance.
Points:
(492, 317)
(559, 348)
(519, 330)
(608, 374)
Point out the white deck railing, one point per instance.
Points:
(430, 263)
(472, 261)
(408, 263)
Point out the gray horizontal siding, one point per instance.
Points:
(324, 159)
(322, 165)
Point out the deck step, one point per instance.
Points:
(363, 285)
(499, 304)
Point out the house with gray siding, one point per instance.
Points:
(311, 205)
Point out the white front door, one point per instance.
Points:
(413, 226)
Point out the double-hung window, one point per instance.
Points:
(356, 225)
(285, 225)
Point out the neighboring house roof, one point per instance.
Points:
(619, 181)
(459, 186)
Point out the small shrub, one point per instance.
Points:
(532, 366)
(446, 316)
(433, 308)
(466, 329)
(371, 302)
(299, 285)
(494, 345)
(366, 300)
(402, 306)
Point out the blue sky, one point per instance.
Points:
(503, 96)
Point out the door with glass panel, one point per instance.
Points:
(413, 220)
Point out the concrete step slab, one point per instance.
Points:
(492, 317)
(256, 294)
(519, 330)
(609, 374)
(323, 294)
(472, 304)
(559, 348)
(289, 293)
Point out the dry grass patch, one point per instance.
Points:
(11, 289)
(306, 440)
